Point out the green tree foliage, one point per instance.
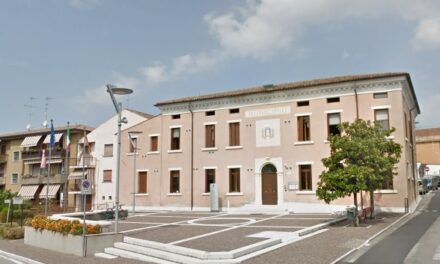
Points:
(361, 158)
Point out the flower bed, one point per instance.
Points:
(62, 226)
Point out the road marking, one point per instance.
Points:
(434, 211)
(437, 254)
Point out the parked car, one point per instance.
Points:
(437, 177)
(433, 181)
(422, 186)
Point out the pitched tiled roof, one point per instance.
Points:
(292, 85)
(41, 131)
(428, 135)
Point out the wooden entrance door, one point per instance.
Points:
(269, 185)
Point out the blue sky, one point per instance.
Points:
(68, 50)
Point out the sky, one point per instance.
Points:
(56, 56)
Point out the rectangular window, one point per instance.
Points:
(16, 155)
(210, 136)
(14, 178)
(303, 128)
(154, 143)
(108, 150)
(302, 103)
(210, 113)
(209, 178)
(234, 134)
(132, 145)
(387, 184)
(305, 177)
(3, 150)
(234, 110)
(175, 117)
(174, 181)
(333, 121)
(380, 95)
(142, 182)
(381, 117)
(107, 176)
(234, 180)
(175, 138)
(333, 100)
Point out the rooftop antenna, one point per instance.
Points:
(46, 110)
(30, 106)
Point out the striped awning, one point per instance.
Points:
(57, 138)
(38, 161)
(77, 175)
(53, 190)
(28, 191)
(30, 141)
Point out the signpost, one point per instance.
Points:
(8, 201)
(18, 200)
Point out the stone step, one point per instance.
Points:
(105, 256)
(136, 256)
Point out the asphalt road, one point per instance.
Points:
(395, 247)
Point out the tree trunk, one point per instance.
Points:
(356, 218)
(371, 203)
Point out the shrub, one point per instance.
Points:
(14, 232)
(3, 214)
(62, 226)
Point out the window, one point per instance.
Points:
(302, 103)
(103, 197)
(132, 145)
(305, 177)
(14, 178)
(210, 136)
(303, 128)
(333, 121)
(107, 176)
(108, 150)
(234, 180)
(381, 116)
(380, 95)
(175, 117)
(234, 134)
(209, 178)
(3, 150)
(387, 184)
(110, 197)
(16, 155)
(175, 138)
(154, 143)
(210, 113)
(174, 181)
(36, 169)
(142, 182)
(234, 110)
(333, 100)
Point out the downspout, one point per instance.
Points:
(192, 155)
(357, 118)
(413, 152)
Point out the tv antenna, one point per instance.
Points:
(30, 107)
(46, 110)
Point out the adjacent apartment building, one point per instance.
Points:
(428, 150)
(20, 162)
(263, 146)
(96, 161)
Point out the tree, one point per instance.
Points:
(361, 158)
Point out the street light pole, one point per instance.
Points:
(112, 90)
(134, 142)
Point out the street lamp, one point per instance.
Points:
(134, 142)
(113, 90)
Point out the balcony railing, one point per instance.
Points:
(36, 154)
(40, 179)
(87, 162)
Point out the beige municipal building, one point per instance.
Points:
(263, 146)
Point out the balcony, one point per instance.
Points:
(33, 154)
(87, 162)
(40, 179)
(3, 158)
(2, 180)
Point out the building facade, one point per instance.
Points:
(20, 162)
(263, 146)
(428, 151)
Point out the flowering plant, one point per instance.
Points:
(62, 226)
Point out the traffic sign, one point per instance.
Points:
(17, 200)
(86, 187)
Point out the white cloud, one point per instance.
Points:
(429, 109)
(428, 34)
(84, 4)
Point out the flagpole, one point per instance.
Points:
(46, 208)
(66, 181)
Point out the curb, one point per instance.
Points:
(19, 258)
(315, 228)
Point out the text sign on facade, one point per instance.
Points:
(86, 187)
(268, 112)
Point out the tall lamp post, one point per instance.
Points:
(113, 90)
(134, 142)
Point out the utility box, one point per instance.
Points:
(214, 197)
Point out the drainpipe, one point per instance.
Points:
(192, 155)
(357, 118)
(413, 152)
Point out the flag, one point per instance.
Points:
(68, 137)
(52, 134)
(43, 159)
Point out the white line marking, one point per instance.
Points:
(437, 254)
